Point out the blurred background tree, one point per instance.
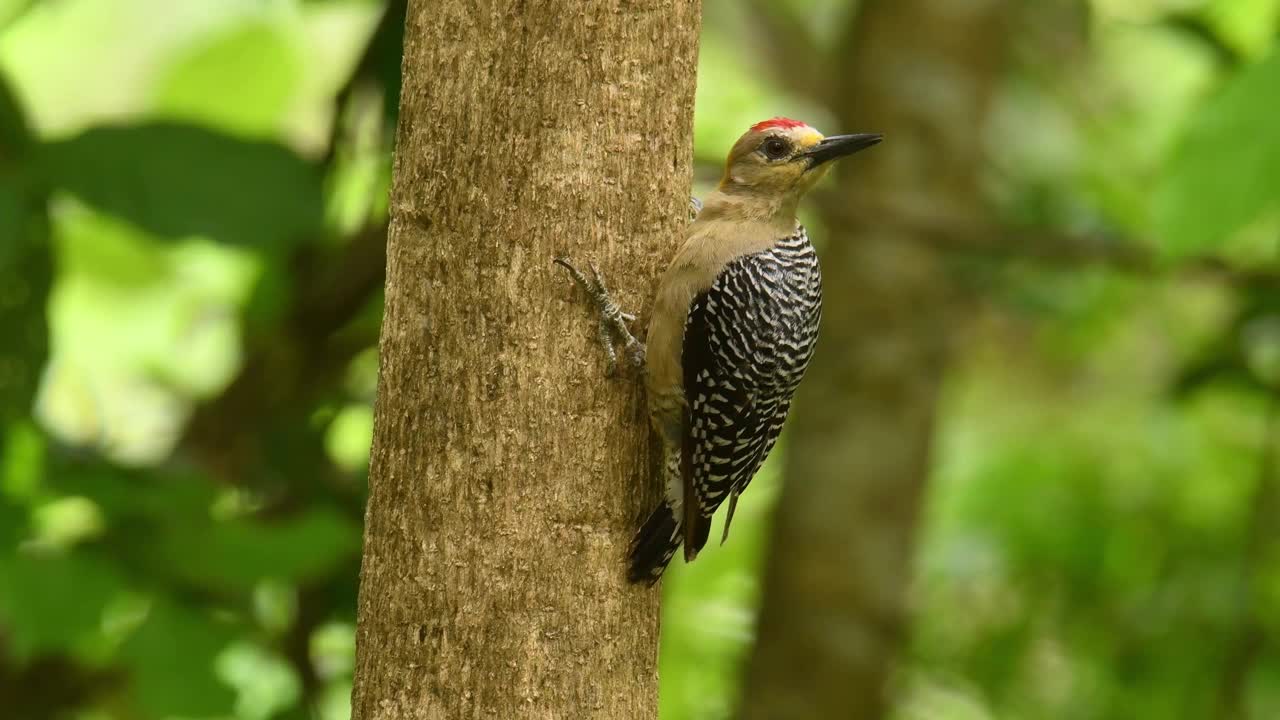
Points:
(192, 208)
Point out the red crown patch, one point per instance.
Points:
(778, 122)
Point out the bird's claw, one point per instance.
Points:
(613, 321)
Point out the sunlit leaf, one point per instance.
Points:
(254, 63)
(275, 605)
(1226, 173)
(333, 649)
(349, 437)
(265, 684)
(1249, 25)
(66, 521)
(335, 702)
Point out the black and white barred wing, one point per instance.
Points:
(736, 383)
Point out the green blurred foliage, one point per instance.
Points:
(167, 176)
(188, 359)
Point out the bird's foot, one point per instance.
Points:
(695, 207)
(613, 328)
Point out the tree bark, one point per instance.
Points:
(834, 606)
(507, 473)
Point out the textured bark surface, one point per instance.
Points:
(507, 473)
(833, 615)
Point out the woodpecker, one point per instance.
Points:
(734, 324)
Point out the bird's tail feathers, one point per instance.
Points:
(654, 545)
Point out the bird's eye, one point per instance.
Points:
(775, 148)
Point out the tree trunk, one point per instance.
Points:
(507, 473)
(833, 613)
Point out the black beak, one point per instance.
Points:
(838, 146)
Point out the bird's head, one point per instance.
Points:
(784, 158)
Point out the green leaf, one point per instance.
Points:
(384, 56)
(1226, 171)
(240, 553)
(11, 10)
(180, 181)
(172, 659)
(21, 461)
(26, 274)
(13, 526)
(21, 465)
(132, 501)
(51, 602)
(14, 134)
